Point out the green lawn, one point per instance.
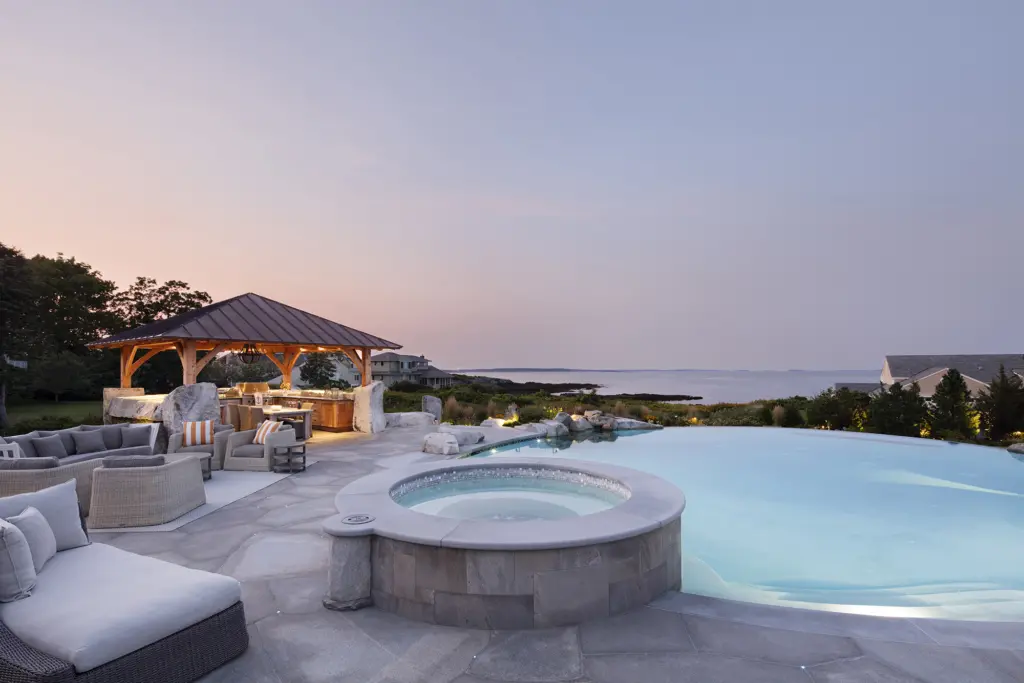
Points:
(78, 410)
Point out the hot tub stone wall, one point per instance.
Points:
(521, 589)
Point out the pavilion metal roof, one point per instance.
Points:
(250, 318)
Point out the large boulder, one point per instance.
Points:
(555, 428)
(592, 413)
(601, 421)
(190, 403)
(533, 428)
(492, 422)
(432, 405)
(466, 436)
(439, 443)
(564, 418)
(579, 424)
(624, 424)
(368, 409)
(409, 419)
(512, 412)
(1016, 448)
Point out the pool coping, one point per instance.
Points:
(652, 504)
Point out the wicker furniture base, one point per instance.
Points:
(181, 657)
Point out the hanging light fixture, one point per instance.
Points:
(249, 354)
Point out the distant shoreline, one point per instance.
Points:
(466, 370)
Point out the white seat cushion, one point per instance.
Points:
(96, 603)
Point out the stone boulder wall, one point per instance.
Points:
(625, 424)
(564, 418)
(110, 393)
(579, 424)
(1016, 448)
(368, 409)
(409, 419)
(490, 422)
(464, 435)
(441, 444)
(190, 403)
(555, 428)
(432, 405)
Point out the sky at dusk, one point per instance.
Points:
(532, 183)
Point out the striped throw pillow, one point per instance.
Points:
(197, 433)
(266, 428)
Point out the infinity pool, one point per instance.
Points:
(836, 521)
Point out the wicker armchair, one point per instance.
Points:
(144, 496)
(221, 432)
(243, 454)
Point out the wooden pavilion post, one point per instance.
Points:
(367, 373)
(187, 354)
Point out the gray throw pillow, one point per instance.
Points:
(50, 447)
(17, 573)
(28, 463)
(65, 438)
(24, 441)
(59, 505)
(41, 541)
(134, 436)
(133, 461)
(88, 442)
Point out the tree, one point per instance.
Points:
(15, 313)
(318, 370)
(837, 409)
(70, 305)
(949, 414)
(1002, 405)
(897, 411)
(61, 374)
(146, 301)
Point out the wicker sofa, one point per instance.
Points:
(145, 496)
(77, 466)
(221, 432)
(98, 614)
(243, 454)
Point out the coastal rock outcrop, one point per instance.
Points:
(409, 419)
(190, 403)
(464, 435)
(578, 424)
(441, 444)
(432, 405)
(368, 409)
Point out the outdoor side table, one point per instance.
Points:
(290, 459)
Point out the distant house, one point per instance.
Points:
(928, 371)
(392, 367)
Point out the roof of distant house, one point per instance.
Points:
(980, 367)
(250, 318)
(391, 356)
(434, 373)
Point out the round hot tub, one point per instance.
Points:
(505, 544)
(510, 494)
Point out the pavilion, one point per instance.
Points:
(250, 324)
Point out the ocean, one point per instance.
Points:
(713, 386)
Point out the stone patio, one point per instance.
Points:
(271, 542)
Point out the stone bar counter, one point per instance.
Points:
(361, 409)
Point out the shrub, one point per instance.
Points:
(1002, 405)
(949, 414)
(791, 416)
(51, 422)
(492, 409)
(452, 411)
(897, 411)
(778, 415)
(637, 412)
(531, 414)
(468, 413)
(481, 413)
(412, 387)
(620, 409)
(737, 416)
(764, 415)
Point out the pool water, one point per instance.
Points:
(509, 500)
(836, 521)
